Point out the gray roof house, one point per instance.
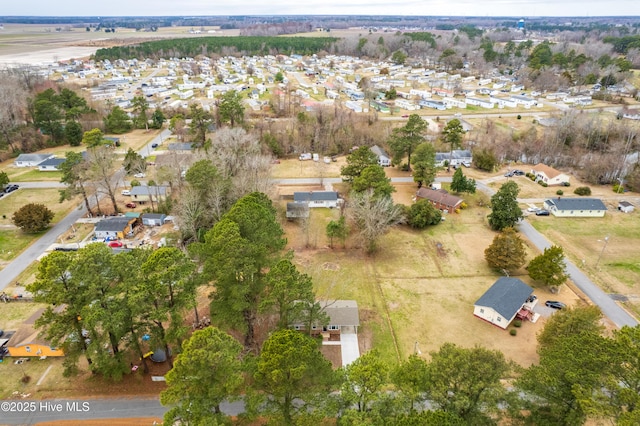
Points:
(143, 194)
(575, 207)
(383, 158)
(501, 303)
(343, 317)
(114, 227)
(51, 164)
(31, 160)
(180, 146)
(153, 219)
(329, 199)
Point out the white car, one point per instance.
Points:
(126, 192)
(533, 209)
(139, 175)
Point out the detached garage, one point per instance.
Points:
(501, 303)
(153, 219)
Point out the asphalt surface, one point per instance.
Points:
(31, 253)
(29, 412)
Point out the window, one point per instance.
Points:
(334, 327)
(297, 327)
(482, 311)
(314, 327)
(499, 319)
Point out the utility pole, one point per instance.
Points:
(606, 240)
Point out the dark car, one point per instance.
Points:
(154, 145)
(11, 188)
(518, 173)
(555, 304)
(542, 212)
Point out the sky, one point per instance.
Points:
(516, 8)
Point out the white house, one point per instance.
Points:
(575, 207)
(523, 100)
(549, 175)
(31, 160)
(383, 158)
(484, 103)
(153, 219)
(50, 164)
(327, 199)
(502, 302)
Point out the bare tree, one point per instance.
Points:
(102, 160)
(13, 104)
(373, 217)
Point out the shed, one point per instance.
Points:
(575, 207)
(500, 304)
(625, 207)
(153, 219)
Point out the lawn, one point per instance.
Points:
(418, 291)
(583, 240)
(34, 175)
(12, 240)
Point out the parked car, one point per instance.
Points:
(139, 175)
(518, 173)
(542, 212)
(11, 188)
(533, 209)
(154, 145)
(115, 244)
(126, 192)
(131, 205)
(508, 174)
(555, 304)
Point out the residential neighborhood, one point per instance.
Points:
(337, 234)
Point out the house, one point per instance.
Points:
(440, 198)
(153, 219)
(114, 227)
(31, 160)
(484, 103)
(575, 207)
(180, 146)
(297, 210)
(625, 207)
(26, 341)
(502, 302)
(428, 103)
(454, 158)
(383, 158)
(549, 175)
(142, 194)
(343, 318)
(51, 164)
(328, 199)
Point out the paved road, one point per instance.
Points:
(33, 412)
(31, 253)
(609, 308)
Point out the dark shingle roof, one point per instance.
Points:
(342, 312)
(52, 162)
(506, 296)
(113, 224)
(577, 203)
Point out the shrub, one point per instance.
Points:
(559, 192)
(32, 218)
(617, 188)
(582, 190)
(517, 323)
(513, 332)
(463, 205)
(544, 184)
(565, 184)
(519, 117)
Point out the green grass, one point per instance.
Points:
(36, 175)
(14, 241)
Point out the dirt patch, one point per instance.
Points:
(327, 266)
(333, 353)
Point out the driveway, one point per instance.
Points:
(349, 348)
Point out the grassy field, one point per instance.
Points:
(12, 240)
(419, 289)
(34, 175)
